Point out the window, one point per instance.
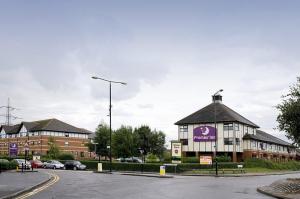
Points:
(236, 127)
(82, 154)
(228, 141)
(183, 128)
(184, 141)
(66, 143)
(237, 141)
(228, 126)
(66, 134)
(246, 129)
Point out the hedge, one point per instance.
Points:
(8, 165)
(261, 163)
(153, 167)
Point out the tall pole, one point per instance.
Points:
(110, 160)
(215, 121)
(216, 144)
(110, 131)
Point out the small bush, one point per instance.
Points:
(224, 158)
(151, 158)
(190, 160)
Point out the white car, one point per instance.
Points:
(21, 162)
(53, 164)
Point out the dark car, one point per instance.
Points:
(74, 165)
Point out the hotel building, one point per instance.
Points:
(35, 135)
(234, 135)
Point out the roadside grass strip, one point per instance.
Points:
(54, 179)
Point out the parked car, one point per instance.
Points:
(133, 159)
(53, 164)
(130, 159)
(75, 165)
(21, 162)
(36, 164)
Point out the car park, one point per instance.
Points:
(53, 164)
(36, 164)
(22, 163)
(74, 165)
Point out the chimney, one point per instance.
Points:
(217, 98)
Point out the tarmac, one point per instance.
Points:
(14, 183)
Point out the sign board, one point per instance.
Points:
(13, 149)
(204, 133)
(176, 152)
(36, 157)
(205, 160)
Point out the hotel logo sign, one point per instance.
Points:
(204, 133)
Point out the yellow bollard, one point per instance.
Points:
(162, 171)
(17, 168)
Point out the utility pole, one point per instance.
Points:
(8, 116)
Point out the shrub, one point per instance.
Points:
(190, 160)
(8, 165)
(223, 158)
(66, 156)
(151, 158)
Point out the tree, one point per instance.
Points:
(157, 142)
(150, 141)
(53, 149)
(123, 144)
(102, 136)
(289, 116)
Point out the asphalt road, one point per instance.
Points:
(85, 184)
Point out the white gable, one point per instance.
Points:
(23, 129)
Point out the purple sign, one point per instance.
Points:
(204, 133)
(13, 149)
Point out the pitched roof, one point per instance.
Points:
(223, 114)
(10, 129)
(265, 137)
(46, 125)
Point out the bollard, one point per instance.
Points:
(22, 168)
(17, 168)
(0, 168)
(162, 170)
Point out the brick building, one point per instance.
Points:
(36, 134)
(234, 135)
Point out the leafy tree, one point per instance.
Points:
(157, 142)
(123, 144)
(142, 137)
(102, 136)
(53, 148)
(289, 116)
(150, 141)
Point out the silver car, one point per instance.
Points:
(53, 164)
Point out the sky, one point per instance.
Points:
(173, 55)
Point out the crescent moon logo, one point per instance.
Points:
(206, 132)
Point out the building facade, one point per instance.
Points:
(218, 130)
(35, 135)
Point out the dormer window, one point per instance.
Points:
(228, 126)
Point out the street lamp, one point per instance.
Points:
(215, 121)
(115, 82)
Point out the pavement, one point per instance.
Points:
(285, 189)
(13, 183)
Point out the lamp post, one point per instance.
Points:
(215, 121)
(110, 82)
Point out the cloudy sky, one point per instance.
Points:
(173, 54)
